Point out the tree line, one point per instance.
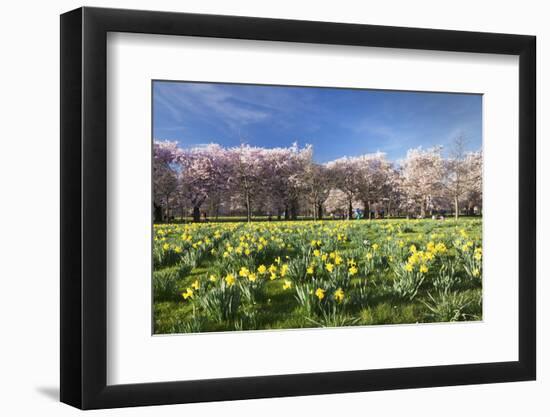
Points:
(286, 182)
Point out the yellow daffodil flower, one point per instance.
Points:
(320, 293)
(230, 279)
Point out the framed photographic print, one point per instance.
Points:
(258, 207)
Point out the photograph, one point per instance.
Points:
(290, 207)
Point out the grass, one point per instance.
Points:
(371, 297)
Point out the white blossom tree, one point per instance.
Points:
(462, 173)
(346, 176)
(423, 172)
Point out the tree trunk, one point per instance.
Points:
(456, 207)
(157, 213)
(248, 214)
(350, 209)
(293, 210)
(167, 207)
(320, 211)
(366, 209)
(196, 214)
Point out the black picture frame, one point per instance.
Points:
(84, 207)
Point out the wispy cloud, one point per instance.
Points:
(206, 101)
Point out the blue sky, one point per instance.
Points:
(337, 122)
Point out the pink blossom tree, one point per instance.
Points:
(204, 172)
(165, 183)
(248, 166)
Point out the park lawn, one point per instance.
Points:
(450, 289)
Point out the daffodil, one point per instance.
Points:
(329, 267)
(262, 269)
(196, 284)
(478, 254)
(187, 294)
(440, 248)
(284, 269)
(353, 270)
(339, 295)
(230, 279)
(320, 293)
(287, 284)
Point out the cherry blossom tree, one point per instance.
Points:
(346, 176)
(462, 173)
(423, 171)
(473, 196)
(204, 172)
(374, 178)
(288, 180)
(337, 203)
(283, 171)
(315, 183)
(248, 169)
(165, 183)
